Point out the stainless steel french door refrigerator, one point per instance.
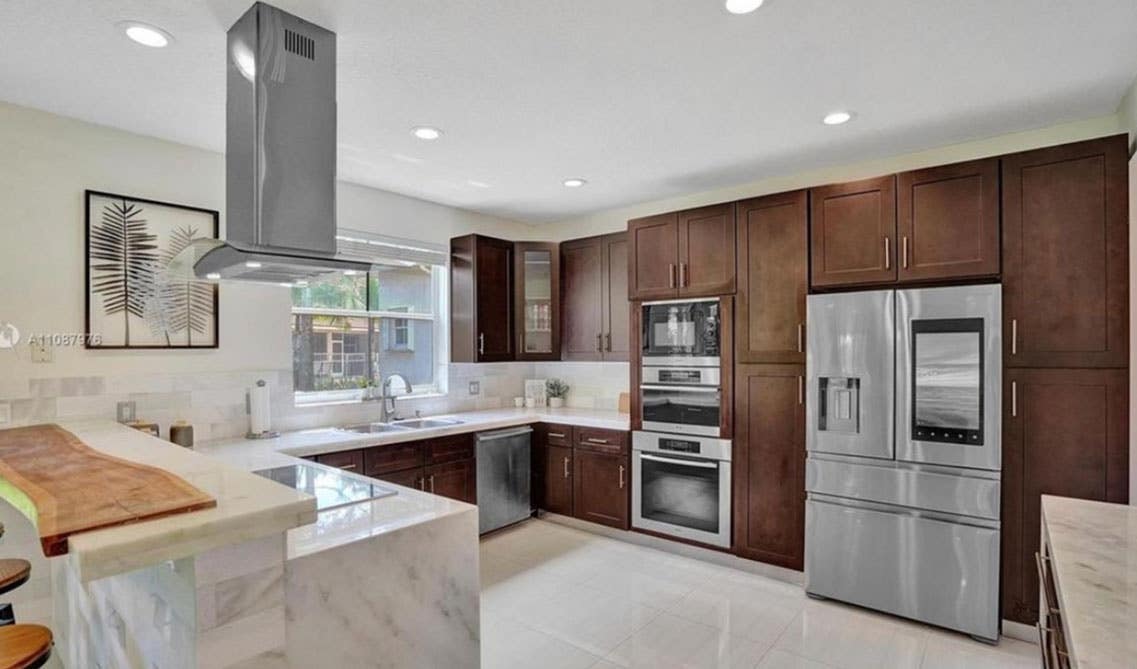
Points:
(903, 438)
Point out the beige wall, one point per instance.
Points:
(46, 162)
(613, 220)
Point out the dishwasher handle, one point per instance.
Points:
(503, 434)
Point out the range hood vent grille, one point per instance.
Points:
(301, 45)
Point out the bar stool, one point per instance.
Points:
(24, 646)
(13, 574)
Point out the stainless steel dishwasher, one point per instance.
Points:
(503, 477)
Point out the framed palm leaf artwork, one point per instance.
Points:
(132, 301)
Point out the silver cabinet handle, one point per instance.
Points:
(608, 347)
(432, 483)
(557, 435)
(682, 275)
(1014, 336)
(671, 275)
(600, 343)
(801, 337)
(887, 253)
(621, 477)
(566, 467)
(482, 343)
(421, 484)
(593, 440)
(801, 390)
(904, 250)
(351, 466)
(1014, 399)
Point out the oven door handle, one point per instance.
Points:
(684, 389)
(685, 463)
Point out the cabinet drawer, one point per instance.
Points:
(606, 441)
(450, 449)
(557, 435)
(348, 460)
(395, 457)
(410, 478)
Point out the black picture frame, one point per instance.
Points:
(94, 340)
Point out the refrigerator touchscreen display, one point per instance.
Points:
(947, 385)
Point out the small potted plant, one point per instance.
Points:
(556, 390)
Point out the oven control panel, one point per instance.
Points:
(679, 446)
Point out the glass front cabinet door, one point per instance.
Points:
(538, 287)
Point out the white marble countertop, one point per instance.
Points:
(336, 527)
(328, 440)
(248, 506)
(1093, 550)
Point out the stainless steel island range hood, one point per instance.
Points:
(280, 156)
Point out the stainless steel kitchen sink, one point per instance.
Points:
(373, 428)
(423, 423)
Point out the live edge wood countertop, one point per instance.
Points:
(115, 499)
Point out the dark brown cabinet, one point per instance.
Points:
(653, 261)
(769, 464)
(594, 298)
(1065, 432)
(853, 233)
(948, 221)
(600, 491)
(456, 480)
(706, 251)
(481, 299)
(683, 254)
(537, 300)
(1066, 256)
(558, 480)
(582, 472)
(444, 466)
(772, 278)
(347, 460)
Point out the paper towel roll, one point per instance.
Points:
(259, 419)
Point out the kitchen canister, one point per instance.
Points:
(181, 433)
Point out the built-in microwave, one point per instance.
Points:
(682, 333)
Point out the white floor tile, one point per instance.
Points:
(558, 597)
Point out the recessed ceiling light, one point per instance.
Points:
(213, 276)
(252, 264)
(426, 132)
(284, 284)
(837, 118)
(146, 34)
(301, 282)
(742, 6)
(478, 184)
(575, 182)
(350, 272)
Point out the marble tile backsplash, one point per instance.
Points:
(214, 402)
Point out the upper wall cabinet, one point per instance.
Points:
(1065, 256)
(948, 221)
(595, 298)
(682, 254)
(537, 300)
(853, 233)
(772, 269)
(481, 299)
(653, 261)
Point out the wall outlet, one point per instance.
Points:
(5, 413)
(41, 350)
(475, 387)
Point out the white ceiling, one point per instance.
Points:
(643, 98)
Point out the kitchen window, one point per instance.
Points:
(349, 331)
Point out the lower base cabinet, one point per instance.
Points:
(443, 466)
(558, 490)
(600, 488)
(769, 464)
(583, 473)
